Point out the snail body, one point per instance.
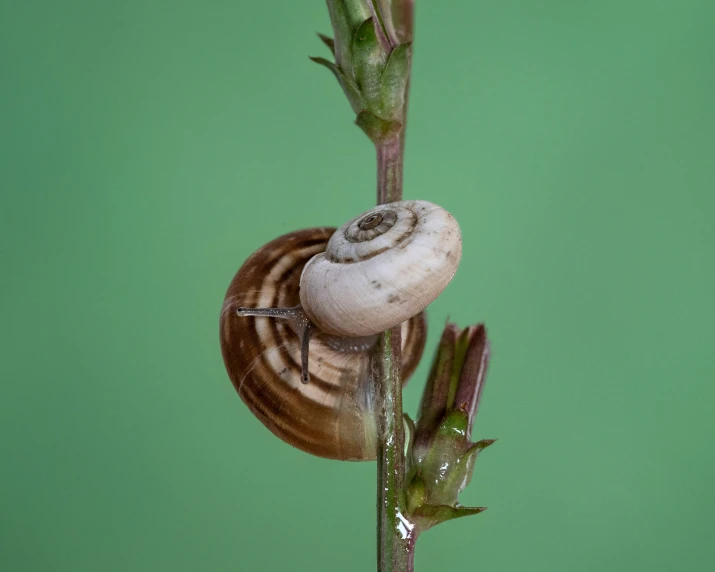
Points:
(307, 374)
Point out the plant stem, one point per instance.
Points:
(390, 163)
(395, 540)
(391, 551)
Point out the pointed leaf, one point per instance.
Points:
(461, 474)
(351, 91)
(483, 444)
(428, 515)
(368, 59)
(394, 81)
(328, 41)
(328, 64)
(443, 468)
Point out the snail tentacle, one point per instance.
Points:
(301, 324)
(307, 333)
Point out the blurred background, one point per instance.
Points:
(148, 147)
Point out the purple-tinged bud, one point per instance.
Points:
(455, 382)
(441, 457)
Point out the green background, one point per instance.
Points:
(148, 147)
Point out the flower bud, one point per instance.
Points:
(373, 55)
(442, 456)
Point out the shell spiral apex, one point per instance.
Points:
(381, 268)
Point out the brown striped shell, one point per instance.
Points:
(332, 415)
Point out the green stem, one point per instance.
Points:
(393, 530)
(395, 538)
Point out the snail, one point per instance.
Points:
(307, 374)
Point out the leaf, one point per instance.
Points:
(328, 41)
(349, 88)
(368, 59)
(460, 476)
(394, 81)
(429, 515)
(328, 64)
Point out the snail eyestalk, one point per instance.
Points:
(304, 350)
(285, 313)
(300, 322)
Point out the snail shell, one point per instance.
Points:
(333, 415)
(381, 268)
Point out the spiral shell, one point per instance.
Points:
(332, 415)
(381, 268)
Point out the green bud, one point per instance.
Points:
(441, 454)
(371, 65)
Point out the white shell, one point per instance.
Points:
(381, 268)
